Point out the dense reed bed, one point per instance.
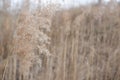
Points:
(76, 44)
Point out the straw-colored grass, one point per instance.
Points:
(86, 42)
(77, 44)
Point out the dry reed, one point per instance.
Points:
(76, 44)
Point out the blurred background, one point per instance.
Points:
(12, 5)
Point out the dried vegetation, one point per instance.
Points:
(76, 44)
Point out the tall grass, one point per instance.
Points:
(76, 44)
(86, 43)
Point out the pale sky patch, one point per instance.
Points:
(63, 3)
